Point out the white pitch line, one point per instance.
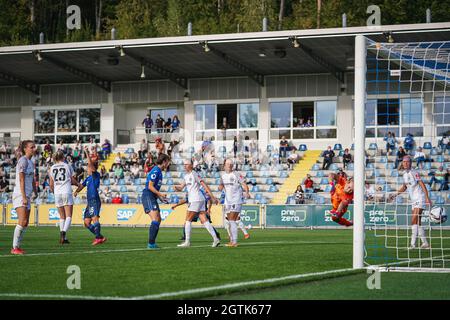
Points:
(163, 248)
(183, 292)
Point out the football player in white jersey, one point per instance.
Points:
(234, 185)
(61, 181)
(418, 194)
(24, 187)
(197, 203)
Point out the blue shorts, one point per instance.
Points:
(92, 209)
(149, 201)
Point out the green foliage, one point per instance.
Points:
(163, 18)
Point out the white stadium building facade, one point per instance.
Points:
(298, 84)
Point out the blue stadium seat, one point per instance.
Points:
(249, 174)
(440, 159)
(399, 200)
(182, 174)
(139, 189)
(427, 146)
(373, 146)
(434, 152)
(167, 175)
(337, 147)
(394, 173)
(303, 147)
(123, 189)
(433, 196)
(217, 182)
(440, 200)
(383, 160)
(245, 167)
(125, 199)
(107, 182)
(191, 150)
(121, 182)
(263, 200)
(319, 200)
(427, 166)
(138, 199)
(170, 189)
(334, 167)
(258, 196)
(169, 182)
(324, 181)
(269, 181)
(353, 146)
(137, 182)
(390, 165)
(370, 166)
(266, 174)
(273, 188)
(380, 181)
(351, 166)
(376, 173)
(341, 153)
(129, 150)
(173, 199)
(320, 174)
(328, 188)
(255, 188)
(51, 198)
(284, 174)
(315, 167)
(269, 148)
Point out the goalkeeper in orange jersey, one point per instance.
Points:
(341, 196)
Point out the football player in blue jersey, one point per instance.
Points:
(92, 212)
(150, 197)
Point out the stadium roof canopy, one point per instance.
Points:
(255, 55)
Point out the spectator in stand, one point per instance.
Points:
(408, 143)
(48, 150)
(347, 158)
(106, 149)
(159, 146)
(447, 180)
(369, 192)
(79, 173)
(148, 124)
(134, 159)
(398, 161)
(175, 123)
(143, 149)
(309, 124)
(116, 199)
(93, 155)
(103, 173)
(444, 143)
(45, 187)
(299, 195)
(61, 147)
(148, 165)
(118, 159)
(105, 195)
(3, 150)
(92, 144)
(309, 183)
(328, 156)
(76, 154)
(420, 157)
(438, 176)
(391, 142)
(284, 146)
(4, 185)
(118, 174)
(173, 148)
(159, 124)
(168, 125)
(235, 146)
(293, 159)
(135, 171)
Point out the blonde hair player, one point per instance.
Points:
(23, 189)
(418, 194)
(233, 184)
(197, 203)
(61, 181)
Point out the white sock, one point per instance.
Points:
(234, 231)
(67, 224)
(422, 235)
(242, 226)
(61, 224)
(414, 230)
(18, 231)
(227, 227)
(210, 229)
(187, 230)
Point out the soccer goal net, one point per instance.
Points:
(407, 116)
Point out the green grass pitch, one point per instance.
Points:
(124, 268)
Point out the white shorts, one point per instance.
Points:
(419, 203)
(65, 199)
(18, 201)
(232, 208)
(197, 206)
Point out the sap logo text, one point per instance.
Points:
(165, 213)
(125, 214)
(14, 214)
(53, 214)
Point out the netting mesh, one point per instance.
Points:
(408, 106)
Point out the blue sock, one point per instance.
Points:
(153, 232)
(91, 228)
(97, 228)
